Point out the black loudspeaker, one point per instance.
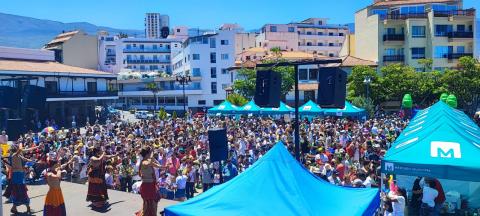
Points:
(217, 141)
(267, 89)
(332, 87)
(15, 128)
(164, 32)
(34, 97)
(9, 97)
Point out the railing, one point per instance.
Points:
(467, 12)
(404, 16)
(147, 61)
(170, 88)
(146, 50)
(460, 34)
(457, 55)
(393, 37)
(393, 58)
(70, 94)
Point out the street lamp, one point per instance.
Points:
(367, 82)
(184, 80)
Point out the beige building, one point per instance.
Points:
(404, 31)
(75, 48)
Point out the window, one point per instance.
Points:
(461, 28)
(309, 43)
(412, 9)
(142, 46)
(331, 55)
(390, 31)
(418, 52)
(204, 40)
(196, 56)
(309, 33)
(273, 28)
(224, 71)
(92, 87)
(129, 57)
(224, 56)
(217, 102)
(320, 22)
(441, 51)
(202, 102)
(155, 57)
(460, 49)
(303, 74)
(154, 46)
(291, 29)
(129, 46)
(319, 33)
(196, 72)
(390, 52)
(380, 12)
(213, 86)
(340, 34)
(442, 30)
(224, 42)
(418, 31)
(212, 43)
(178, 30)
(51, 87)
(444, 7)
(213, 57)
(313, 74)
(213, 72)
(320, 44)
(331, 44)
(330, 34)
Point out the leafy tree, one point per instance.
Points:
(426, 63)
(174, 115)
(237, 99)
(356, 86)
(162, 114)
(366, 103)
(397, 80)
(277, 53)
(154, 88)
(245, 85)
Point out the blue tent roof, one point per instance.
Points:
(348, 110)
(310, 108)
(224, 108)
(248, 108)
(439, 142)
(278, 185)
(282, 109)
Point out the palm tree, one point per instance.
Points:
(154, 88)
(277, 52)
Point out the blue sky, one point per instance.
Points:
(251, 14)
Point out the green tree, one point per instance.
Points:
(277, 53)
(366, 103)
(356, 87)
(426, 63)
(237, 99)
(464, 83)
(174, 115)
(397, 80)
(245, 85)
(154, 88)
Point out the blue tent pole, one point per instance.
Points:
(297, 122)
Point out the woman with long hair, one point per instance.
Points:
(54, 203)
(97, 187)
(148, 188)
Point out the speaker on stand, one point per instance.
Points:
(217, 141)
(332, 87)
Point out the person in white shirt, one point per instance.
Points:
(398, 202)
(428, 199)
(181, 183)
(109, 178)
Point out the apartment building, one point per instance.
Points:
(75, 48)
(71, 92)
(136, 54)
(207, 57)
(157, 25)
(404, 31)
(313, 35)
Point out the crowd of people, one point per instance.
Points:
(171, 156)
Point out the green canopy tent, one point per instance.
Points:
(349, 110)
(281, 110)
(249, 108)
(310, 109)
(439, 142)
(225, 108)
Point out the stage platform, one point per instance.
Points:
(121, 203)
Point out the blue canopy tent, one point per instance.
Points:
(278, 185)
(249, 108)
(310, 109)
(281, 110)
(439, 142)
(349, 111)
(224, 108)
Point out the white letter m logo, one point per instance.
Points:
(445, 149)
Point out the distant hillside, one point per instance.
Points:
(26, 32)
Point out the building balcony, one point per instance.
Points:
(404, 16)
(459, 13)
(147, 61)
(393, 58)
(461, 35)
(393, 37)
(82, 94)
(146, 50)
(452, 56)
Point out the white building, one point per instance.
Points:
(136, 54)
(312, 35)
(70, 91)
(155, 24)
(208, 57)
